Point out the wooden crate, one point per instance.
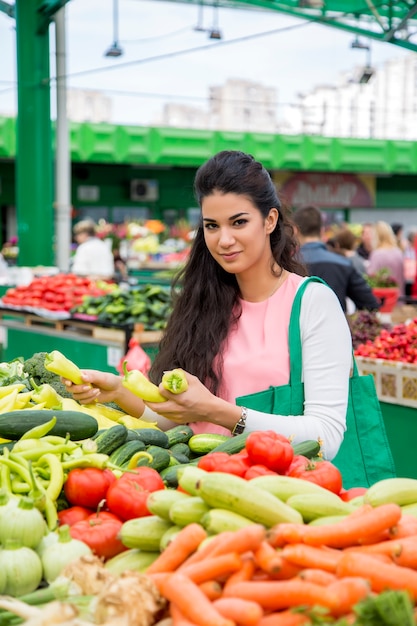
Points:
(396, 382)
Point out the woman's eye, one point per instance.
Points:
(240, 222)
(210, 226)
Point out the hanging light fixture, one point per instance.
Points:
(367, 71)
(199, 26)
(215, 32)
(115, 50)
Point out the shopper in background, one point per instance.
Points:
(93, 257)
(344, 242)
(229, 326)
(410, 262)
(398, 230)
(387, 254)
(338, 271)
(365, 246)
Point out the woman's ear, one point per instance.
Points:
(271, 220)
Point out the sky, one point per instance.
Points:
(166, 60)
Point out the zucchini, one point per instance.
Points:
(133, 559)
(153, 437)
(109, 439)
(144, 533)
(179, 434)
(309, 448)
(124, 453)
(205, 442)
(160, 458)
(76, 424)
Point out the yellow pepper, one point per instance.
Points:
(133, 422)
(4, 391)
(57, 363)
(8, 402)
(175, 381)
(22, 399)
(141, 386)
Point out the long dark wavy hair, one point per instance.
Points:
(205, 296)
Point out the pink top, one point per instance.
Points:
(256, 355)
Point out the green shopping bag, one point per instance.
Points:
(364, 456)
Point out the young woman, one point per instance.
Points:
(229, 326)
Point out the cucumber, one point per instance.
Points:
(170, 475)
(179, 434)
(76, 424)
(179, 458)
(205, 442)
(232, 445)
(309, 448)
(181, 448)
(109, 439)
(160, 458)
(153, 437)
(124, 453)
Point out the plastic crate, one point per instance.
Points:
(395, 382)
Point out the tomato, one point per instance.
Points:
(73, 514)
(353, 492)
(258, 470)
(101, 533)
(88, 486)
(323, 473)
(128, 495)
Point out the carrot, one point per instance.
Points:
(274, 595)
(185, 543)
(245, 572)
(392, 548)
(243, 540)
(207, 547)
(286, 532)
(285, 618)
(407, 556)
(243, 612)
(178, 617)
(267, 558)
(406, 527)
(312, 556)
(192, 602)
(348, 591)
(354, 528)
(317, 576)
(212, 589)
(214, 567)
(380, 575)
(288, 570)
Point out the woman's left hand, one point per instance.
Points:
(196, 404)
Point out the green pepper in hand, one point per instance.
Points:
(175, 381)
(141, 386)
(57, 363)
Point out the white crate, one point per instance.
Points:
(395, 382)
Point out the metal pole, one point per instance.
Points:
(63, 161)
(34, 167)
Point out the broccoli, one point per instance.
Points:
(34, 367)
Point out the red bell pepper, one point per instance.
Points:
(235, 464)
(270, 449)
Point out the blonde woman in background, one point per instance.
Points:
(387, 254)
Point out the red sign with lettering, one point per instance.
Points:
(337, 191)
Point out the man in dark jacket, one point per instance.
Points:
(336, 270)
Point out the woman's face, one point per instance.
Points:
(236, 233)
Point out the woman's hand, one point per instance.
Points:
(197, 404)
(98, 386)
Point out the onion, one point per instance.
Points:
(21, 568)
(58, 554)
(23, 522)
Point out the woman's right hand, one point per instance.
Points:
(98, 387)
